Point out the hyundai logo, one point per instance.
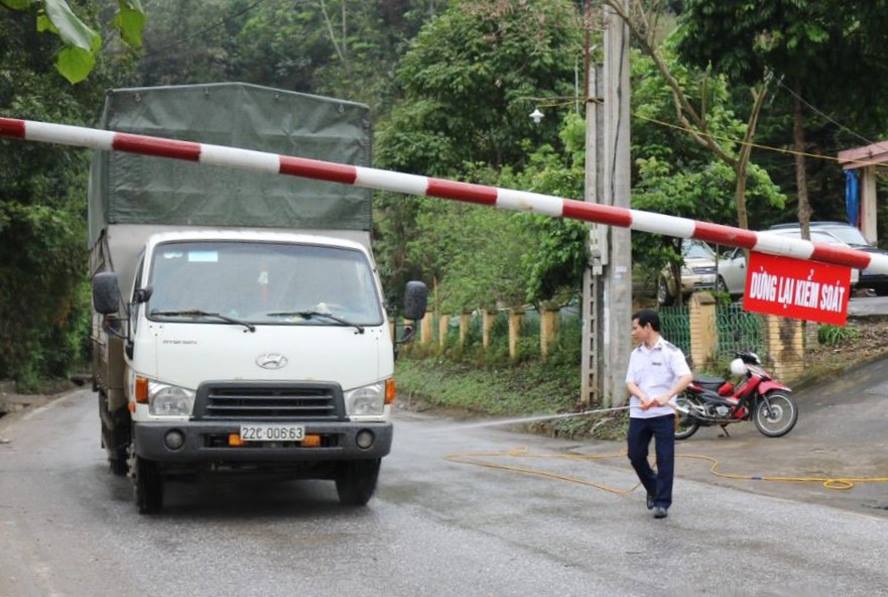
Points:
(271, 360)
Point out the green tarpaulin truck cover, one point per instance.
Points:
(133, 189)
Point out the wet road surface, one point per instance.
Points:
(436, 527)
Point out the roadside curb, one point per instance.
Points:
(15, 406)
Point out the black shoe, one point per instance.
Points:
(650, 501)
(660, 512)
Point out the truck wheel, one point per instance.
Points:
(115, 435)
(356, 481)
(148, 486)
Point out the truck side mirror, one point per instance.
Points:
(415, 300)
(106, 293)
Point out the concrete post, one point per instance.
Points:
(443, 324)
(486, 326)
(548, 330)
(868, 204)
(463, 328)
(515, 318)
(704, 330)
(425, 330)
(786, 347)
(617, 299)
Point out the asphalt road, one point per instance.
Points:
(842, 432)
(868, 306)
(436, 527)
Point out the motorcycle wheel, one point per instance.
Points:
(686, 425)
(776, 414)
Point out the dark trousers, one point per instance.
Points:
(662, 428)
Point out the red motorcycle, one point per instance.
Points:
(716, 401)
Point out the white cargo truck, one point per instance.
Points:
(239, 321)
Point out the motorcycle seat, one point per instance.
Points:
(709, 383)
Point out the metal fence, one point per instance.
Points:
(739, 330)
(675, 326)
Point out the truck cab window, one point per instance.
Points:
(256, 282)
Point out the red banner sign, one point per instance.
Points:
(799, 289)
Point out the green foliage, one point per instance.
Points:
(80, 43)
(808, 47)
(553, 270)
(495, 385)
(673, 174)
(342, 48)
(16, 4)
(489, 383)
(807, 41)
(130, 21)
(44, 299)
(468, 84)
(833, 335)
(468, 81)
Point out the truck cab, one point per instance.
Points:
(238, 321)
(254, 351)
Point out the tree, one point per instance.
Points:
(189, 42)
(468, 83)
(344, 48)
(44, 300)
(694, 118)
(806, 43)
(673, 172)
(553, 270)
(80, 43)
(470, 80)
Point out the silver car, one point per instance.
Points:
(697, 272)
(732, 268)
(855, 239)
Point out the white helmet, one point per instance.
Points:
(738, 367)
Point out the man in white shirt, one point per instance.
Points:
(657, 373)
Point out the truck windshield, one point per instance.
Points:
(259, 282)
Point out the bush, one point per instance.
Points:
(833, 335)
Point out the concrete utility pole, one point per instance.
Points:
(593, 281)
(607, 283)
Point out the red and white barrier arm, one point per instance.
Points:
(386, 180)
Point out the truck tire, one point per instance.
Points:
(356, 481)
(115, 435)
(147, 485)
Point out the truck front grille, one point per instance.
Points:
(254, 402)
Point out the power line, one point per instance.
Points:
(783, 150)
(823, 114)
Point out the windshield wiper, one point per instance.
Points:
(199, 313)
(310, 314)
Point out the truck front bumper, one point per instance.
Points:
(206, 441)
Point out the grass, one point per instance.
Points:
(469, 382)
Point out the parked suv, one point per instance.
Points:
(697, 272)
(732, 268)
(855, 239)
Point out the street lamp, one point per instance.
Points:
(536, 115)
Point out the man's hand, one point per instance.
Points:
(662, 399)
(659, 400)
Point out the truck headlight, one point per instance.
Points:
(366, 400)
(168, 400)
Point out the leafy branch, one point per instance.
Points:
(81, 44)
(639, 22)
